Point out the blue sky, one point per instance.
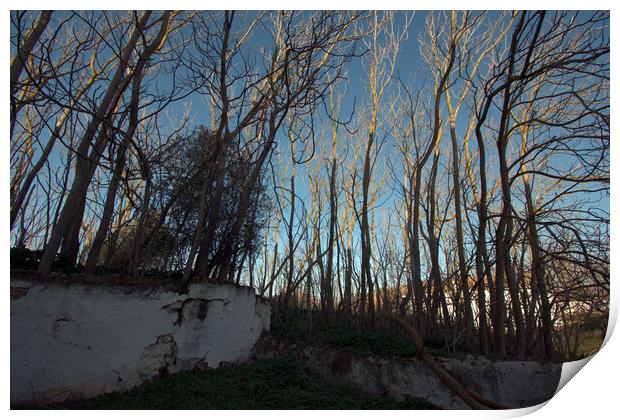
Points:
(411, 69)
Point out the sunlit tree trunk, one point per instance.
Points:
(23, 52)
(65, 228)
(460, 240)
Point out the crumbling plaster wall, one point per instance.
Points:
(513, 384)
(80, 341)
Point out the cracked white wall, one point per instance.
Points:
(80, 341)
(514, 384)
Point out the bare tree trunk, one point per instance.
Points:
(347, 285)
(223, 139)
(18, 198)
(104, 224)
(291, 248)
(366, 245)
(108, 211)
(333, 214)
(435, 281)
(86, 168)
(460, 240)
(137, 243)
(539, 286)
(23, 52)
(71, 210)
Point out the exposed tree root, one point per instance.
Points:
(474, 400)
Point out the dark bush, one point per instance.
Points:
(25, 259)
(28, 259)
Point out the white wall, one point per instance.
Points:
(513, 384)
(80, 341)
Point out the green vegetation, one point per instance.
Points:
(267, 384)
(585, 336)
(371, 343)
(382, 343)
(589, 343)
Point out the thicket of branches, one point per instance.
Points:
(294, 152)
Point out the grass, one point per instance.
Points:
(340, 335)
(591, 336)
(267, 384)
(375, 343)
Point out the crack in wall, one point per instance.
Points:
(110, 340)
(201, 308)
(179, 308)
(57, 323)
(18, 292)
